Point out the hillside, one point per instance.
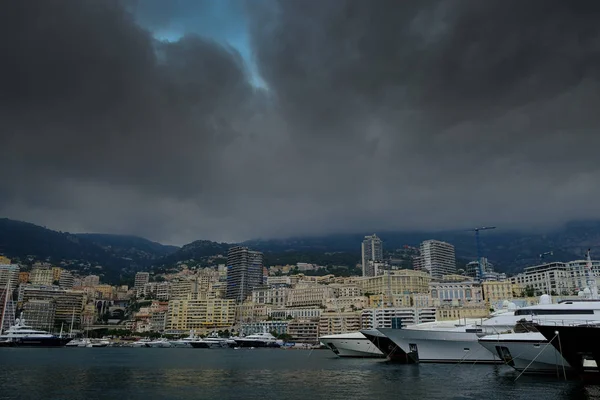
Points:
(129, 247)
(121, 255)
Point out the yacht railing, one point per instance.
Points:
(566, 322)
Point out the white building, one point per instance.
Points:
(455, 293)
(277, 296)
(392, 317)
(141, 278)
(438, 258)
(371, 250)
(557, 277)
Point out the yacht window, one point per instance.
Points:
(553, 312)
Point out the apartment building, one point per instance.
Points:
(332, 322)
(141, 278)
(447, 292)
(309, 295)
(41, 276)
(277, 296)
(494, 291)
(304, 331)
(296, 313)
(557, 277)
(404, 281)
(371, 251)
(9, 273)
(396, 317)
(200, 314)
(66, 280)
(244, 272)
(40, 314)
(438, 258)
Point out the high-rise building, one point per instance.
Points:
(41, 276)
(438, 258)
(141, 278)
(472, 268)
(9, 272)
(244, 272)
(66, 280)
(40, 314)
(371, 250)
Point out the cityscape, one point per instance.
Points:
(294, 199)
(244, 297)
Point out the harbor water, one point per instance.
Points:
(131, 373)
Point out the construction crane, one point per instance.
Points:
(477, 242)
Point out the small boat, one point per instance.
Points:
(258, 340)
(162, 342)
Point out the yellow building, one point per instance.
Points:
(41, 276)
(405, 281)
(106, 291)
(23, 277)
(200, 314)
(448, 312)
(4, 260)
(494, 291)
(56, 271)
(332, 322)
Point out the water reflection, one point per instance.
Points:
(256, 374)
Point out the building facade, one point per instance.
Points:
(141, 278)
(438, 258)
(244, 272)
(371, 250)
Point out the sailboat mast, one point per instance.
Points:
(72, 319)
(4, 306)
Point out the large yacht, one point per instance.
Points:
(388, 348)
(22, 335)
(529, 349)
(443, 341)
(352, 344)
(258, 340)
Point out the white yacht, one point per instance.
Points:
(81, 342)
(258, 340)
(443, 341)
(530, 350)
(162, 342)
(352, 344)
(215, 341)
(185, 342)
(22, 335)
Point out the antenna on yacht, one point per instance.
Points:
(591, 282)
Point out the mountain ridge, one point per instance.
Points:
(125, 254)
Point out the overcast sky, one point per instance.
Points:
(230, 120)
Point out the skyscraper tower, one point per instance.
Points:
(438, 258)
(244, 272)
(371, 250)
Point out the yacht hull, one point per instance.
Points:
(255, 343)
(200, 345)
(441, 346)
(359, 347)
(532, 356)
(38, 342)
(389, 349)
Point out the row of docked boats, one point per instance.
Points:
(545, 338)
(214, 341)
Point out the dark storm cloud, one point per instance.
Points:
(378, 115)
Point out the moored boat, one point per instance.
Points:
(351, 344)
